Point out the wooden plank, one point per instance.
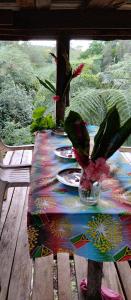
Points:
(43, 278)
(20, 282)
(125, 149)
(124, 272)
(69, 19)
(5, 208)
(6, 161)
(27, 157)
(64, 278)
(9, 239)
(65, 4)
(8, 157)
(25, 3)
(81, 272)
(110, 279)
(105, 3)
(43, 3)
(2, 192)
(17, 157)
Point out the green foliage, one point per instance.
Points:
(48, 85)
(110, 135)
(93, 105)
(40, 120)
(90, 104)
(108, 128)
(14, 134)
(16, 105)
(104, 82)
(95, 48)
(109, 138)
(77, 133)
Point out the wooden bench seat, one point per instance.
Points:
(47, 278)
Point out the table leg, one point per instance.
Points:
(94, 280)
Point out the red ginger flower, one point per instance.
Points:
(56, 98)
(81, 158)
(78, 71)
(97, 170)
(94, 171)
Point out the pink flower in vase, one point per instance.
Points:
(94, 171)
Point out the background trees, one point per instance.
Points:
(105, 81)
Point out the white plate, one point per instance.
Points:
(70, 177)
(59, 132)
(65, 152)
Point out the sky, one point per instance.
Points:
(84, 44)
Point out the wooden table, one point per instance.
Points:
(57, 221)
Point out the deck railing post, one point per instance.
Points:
(62, 47)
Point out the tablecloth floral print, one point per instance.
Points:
(58, 221)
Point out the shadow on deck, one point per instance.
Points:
(49, 277)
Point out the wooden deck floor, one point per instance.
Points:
(50, 277)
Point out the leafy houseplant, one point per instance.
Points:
(40, 120)
(108, 139)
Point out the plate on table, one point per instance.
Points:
(70, 177)
(59, 131)
(65, 152)
(124, 197)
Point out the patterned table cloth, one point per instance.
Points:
(58, 221)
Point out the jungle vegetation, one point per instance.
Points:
(105, 81)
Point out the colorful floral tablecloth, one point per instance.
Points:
(58, 221)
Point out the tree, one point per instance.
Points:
(95, 48)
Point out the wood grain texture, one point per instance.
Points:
(62, 48)
(20, 283)
(65, 4)
(124, 272)
(64, 278)
(111, 279)
(26, 3)
(43, 278)
(43, 3)
(81, 272)
(9, 239)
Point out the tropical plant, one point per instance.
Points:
(110, 136)
(40, 120)
(70, 74)
(93, 104)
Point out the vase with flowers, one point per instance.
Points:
(110, 136)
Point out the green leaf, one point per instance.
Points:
(45, 85)
(119, 138)
(50, 85)
(77, 132)
(108, 128)
(38, 112)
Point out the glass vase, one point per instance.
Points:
(88, 196)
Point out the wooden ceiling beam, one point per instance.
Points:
(72, 19)
(51, 34)
(40, 24)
